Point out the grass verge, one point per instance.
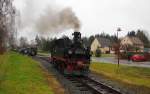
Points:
(43, 53)
(135, 78)
(53, 82)
(21, 75)
(107, 55)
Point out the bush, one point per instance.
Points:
(98, 53)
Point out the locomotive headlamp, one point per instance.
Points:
(70, 52)
(80, 64)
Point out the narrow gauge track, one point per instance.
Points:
(87, 85)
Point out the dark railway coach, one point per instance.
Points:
(71, 57)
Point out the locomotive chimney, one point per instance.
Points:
(76, 37)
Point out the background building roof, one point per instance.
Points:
(104, 42)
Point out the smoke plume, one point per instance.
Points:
(54, 20)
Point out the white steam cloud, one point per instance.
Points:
(42, 17)
(56, 21)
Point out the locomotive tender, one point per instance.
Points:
(70, 57)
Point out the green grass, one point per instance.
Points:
(107, 55)
(134, 77)
(43, 53)
(21, 75)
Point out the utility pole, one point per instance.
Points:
(118, 45)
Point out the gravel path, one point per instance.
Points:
(54, 75)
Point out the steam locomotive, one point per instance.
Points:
(70, 57)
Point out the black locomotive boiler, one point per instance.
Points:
(71, 57)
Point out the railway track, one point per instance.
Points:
(85, 85)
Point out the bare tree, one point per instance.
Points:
(23, 42)
(12, 29)
(6, 12)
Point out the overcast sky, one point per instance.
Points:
(96, 16)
